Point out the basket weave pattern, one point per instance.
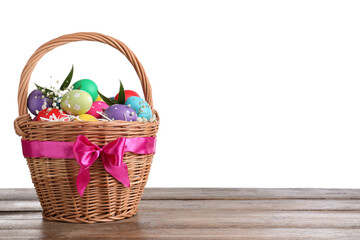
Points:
(105, 198)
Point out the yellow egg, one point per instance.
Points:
(98, 98)
(86, 117)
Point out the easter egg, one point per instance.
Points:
(52, 114)
(121, 112)
(97, 106)
(128, 93)
(88, 86)
(99, 99)
(37, 101)
(141, 107)
(86, 117)
(76, 102)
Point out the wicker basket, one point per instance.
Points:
(105, 198)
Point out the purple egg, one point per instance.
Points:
(121, 112)
(36, 101)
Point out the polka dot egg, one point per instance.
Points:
(97, 106)
(37, 101)
(76, 102)
(120, 112)
(141, 107)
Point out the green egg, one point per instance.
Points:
(88, 86)
(76, 102)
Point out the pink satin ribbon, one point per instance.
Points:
(86, 153)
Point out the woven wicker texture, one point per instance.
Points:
(105, 199)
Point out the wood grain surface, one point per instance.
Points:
(193, 213)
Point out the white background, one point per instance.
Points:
(250, 93)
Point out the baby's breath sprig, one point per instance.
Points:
(54, 93)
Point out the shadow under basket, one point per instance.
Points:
(105, 198)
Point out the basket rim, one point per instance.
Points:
(25, 119)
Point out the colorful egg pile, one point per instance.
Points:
(83, 102)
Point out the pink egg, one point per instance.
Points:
(97, 106)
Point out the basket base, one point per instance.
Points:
(93, 219)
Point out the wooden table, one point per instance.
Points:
(193, 213)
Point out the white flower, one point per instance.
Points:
(77, 95)
(66, 102)
(44, 105)
(77, 107)
(152, 119)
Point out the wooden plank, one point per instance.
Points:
(214, 193)
(20, 215)
(146, 220)
(19, 206)
(224, 205)
(250, 193)
(17, 194)
(197, 223)
(202, 219)
(192, 233)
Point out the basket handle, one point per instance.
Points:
(81, 36)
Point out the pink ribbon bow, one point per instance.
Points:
(86, 153)
(111, 154)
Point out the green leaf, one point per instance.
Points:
(67, 80)
(108, 101)
(46, 90)
(121, 98)
(78, 87)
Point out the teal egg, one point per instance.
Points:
(88, 86)
(141, 107)
(76, 102)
